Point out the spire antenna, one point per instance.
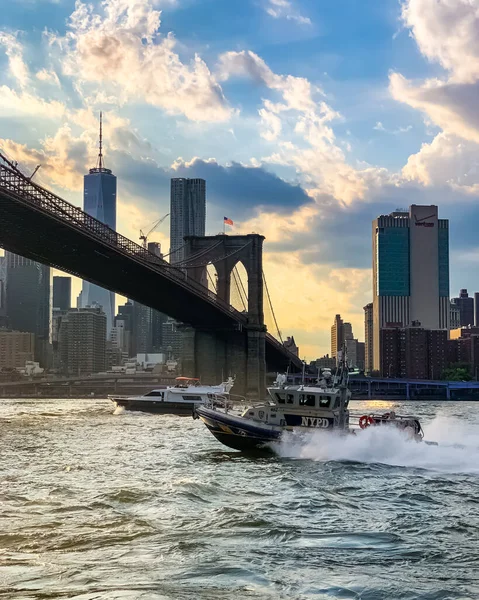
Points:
(100, 154)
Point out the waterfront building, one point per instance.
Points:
(99, 201)
(347, 331)
(337, 336)
(325, 362)
(157, 321)
(142, 329)
(62, 292)
(355, 353)
(463, 348)
(57, 316)
(124, 320)
(368, 337)
(465, 305)
(172, 339)
(29, 302)
(476, 309)
(410, 273)
(16, 348)
(360, 355)
(413, 352)
(82, 341)
(187, 213)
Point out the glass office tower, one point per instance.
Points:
(99, 201)
(410, 272)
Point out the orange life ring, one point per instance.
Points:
(365, 421)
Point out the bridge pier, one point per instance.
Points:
(213, 356)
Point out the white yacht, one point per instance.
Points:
(180, 399)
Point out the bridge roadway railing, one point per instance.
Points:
(13, 182)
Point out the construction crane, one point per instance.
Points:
(34, 172)
(144, 236)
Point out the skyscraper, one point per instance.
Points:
(187, 213)
(476, 309)
(466, 308)
(28, 301)
(99, 201)
(410, 272)
(83, 341)
(368, 337)
(337, 336)
(62, 293)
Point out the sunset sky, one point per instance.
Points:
(307, 118)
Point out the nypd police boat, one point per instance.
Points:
(295, 408)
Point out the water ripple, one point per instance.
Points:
(97, 506)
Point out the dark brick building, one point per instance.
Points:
(413, 352)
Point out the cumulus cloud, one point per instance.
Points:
(121, 46)
(446, 32)
(63, 158)
(48, 77)
(380, 127)
(319, 160)
(25, 103)
(285, 9)
(14, 51)
(447, 159)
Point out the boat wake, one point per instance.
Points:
(457, 449)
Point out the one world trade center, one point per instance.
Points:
(99, 201)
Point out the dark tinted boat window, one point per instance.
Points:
(280, 398)
(155, 393)
(194, 398)
(324, 401)
(290, 399)
(307, 400)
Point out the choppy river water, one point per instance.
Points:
(134, 506)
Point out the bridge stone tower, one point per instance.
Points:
(240, 351)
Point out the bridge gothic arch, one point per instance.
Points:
(225, 252)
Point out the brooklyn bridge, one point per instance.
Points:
(219, 340)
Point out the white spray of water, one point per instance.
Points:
(457, 450)
(119, 410)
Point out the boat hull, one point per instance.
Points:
(236, 432)
(184, 409)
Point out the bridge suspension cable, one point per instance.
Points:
(212, 281)
(237, 288)
(270, 304)
(240, 287)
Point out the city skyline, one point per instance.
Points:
(300, 136)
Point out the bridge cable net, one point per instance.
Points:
(238, 287)
(269, 314)
(212, 277)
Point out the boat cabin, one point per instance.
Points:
(301, 406)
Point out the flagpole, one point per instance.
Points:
(224, 226)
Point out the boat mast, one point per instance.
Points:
(343, 387)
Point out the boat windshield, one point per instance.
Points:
(182, 382)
